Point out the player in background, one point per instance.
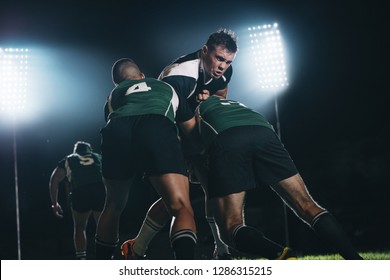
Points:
(82, 171)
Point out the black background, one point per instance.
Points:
(334, 117)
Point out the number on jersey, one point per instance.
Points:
(84, 160)
(140, 87)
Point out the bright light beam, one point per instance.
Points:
(13, 96)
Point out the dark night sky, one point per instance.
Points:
(334, 118)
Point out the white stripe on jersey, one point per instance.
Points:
(174, 100)
(188, 68)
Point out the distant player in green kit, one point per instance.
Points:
(82, 171)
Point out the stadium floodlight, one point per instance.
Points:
(13, 80)
(13, 95)
(269, 58)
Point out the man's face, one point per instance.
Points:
(217, 61)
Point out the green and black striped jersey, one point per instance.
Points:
(216, 114)
(186, 75)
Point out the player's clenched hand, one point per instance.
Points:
(57, 210)
(203, 95)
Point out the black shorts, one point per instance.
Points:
(88, 197)
(241, 155)
(141, 144)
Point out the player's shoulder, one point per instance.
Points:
(72, 155)
(187, 65)
(158, 84)
(188, 57)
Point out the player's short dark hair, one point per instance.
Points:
(223, 37)
(82, 147)
(117, 69)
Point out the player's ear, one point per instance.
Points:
(205, 49)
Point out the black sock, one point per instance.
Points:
(327, 227)
(183, 244)
(252, 241)
(104, 250)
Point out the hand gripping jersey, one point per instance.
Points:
(217, 114)
(142, 97)
(186, 76)
(82, 170)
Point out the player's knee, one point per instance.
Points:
(180, 207)
(113, 209)
(79, 229)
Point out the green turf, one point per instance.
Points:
(378, 255)
(365, 255)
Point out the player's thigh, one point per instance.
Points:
(117, 192)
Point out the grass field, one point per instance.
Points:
(365, 255)
(378, 255)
